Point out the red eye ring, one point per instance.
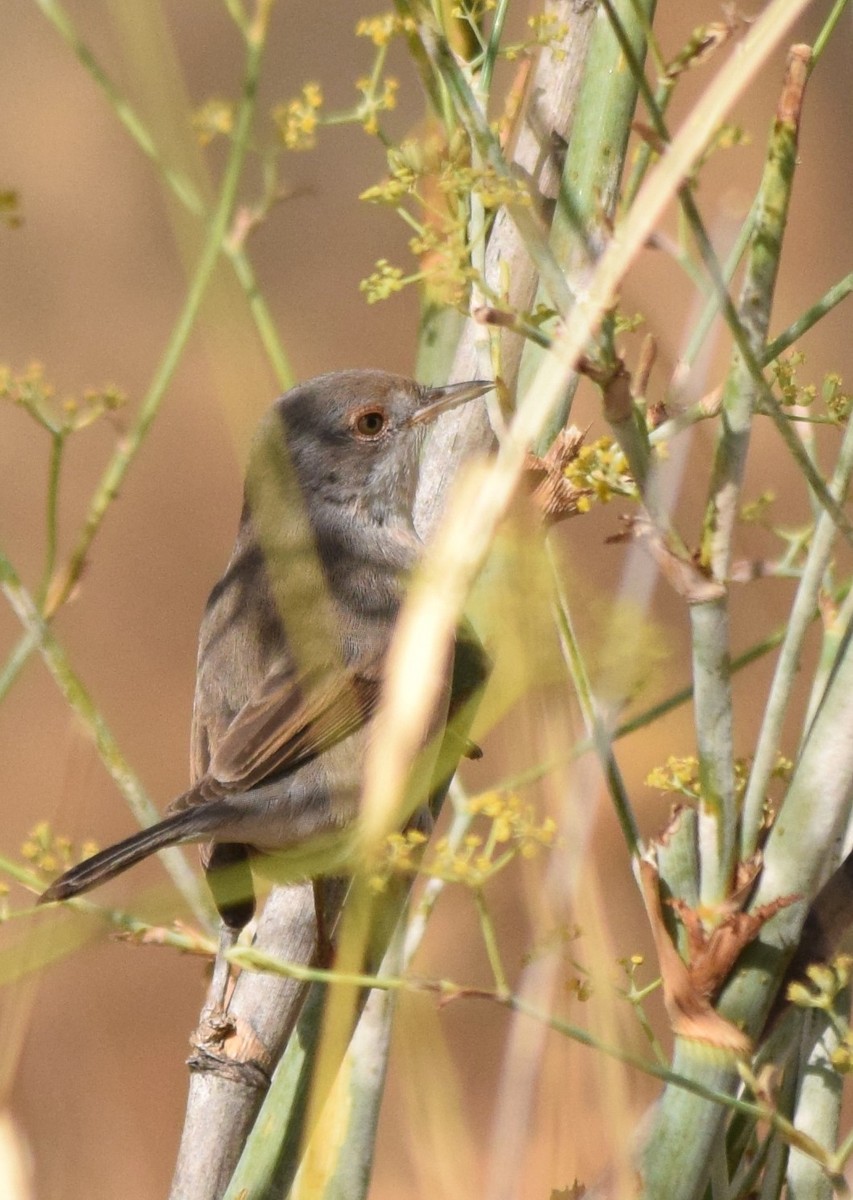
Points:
(370, 423)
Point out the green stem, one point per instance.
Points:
(591, 174)
(844, 1150)
(595, 726)
(712, 702)
(57, 445)
(131, 443)
(474, 120)
(838, 292)
(751, 360)
(644, 155)
(490, 57)
(718, 817)
(490, 941)
(420, 914)
(817, 1110)
(677, 1079)
(430, 79)
(263, 318)
(82, 704)
(15, 662)
(713, 305)
(835, 636)
(248, 958)
(686, 694)
(740, 392)
(827, 30)
(177, 182)
(484, 336)
(802, 614)
(517, 1004)
(238, 15)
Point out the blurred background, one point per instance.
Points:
(94, 1046)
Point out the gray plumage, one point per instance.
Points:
(294, 635)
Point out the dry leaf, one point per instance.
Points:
(689, 987)
(552, 493)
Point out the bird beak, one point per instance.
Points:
(440, 399)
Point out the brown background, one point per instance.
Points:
(92, 1053)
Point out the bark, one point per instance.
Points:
(228, 1083)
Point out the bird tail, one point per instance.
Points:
(190, 824)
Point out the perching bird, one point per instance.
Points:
(294, 635)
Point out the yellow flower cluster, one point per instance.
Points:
(375, 102)
(443, 253)
(416, 160)
(473, 11)
(514, 831)
(403, 852)
(825, 982)
(384, 281)
(757, 511)
(215, 118)
(677, 775)
(837, 402)
(493, 189)
(784, 372)
(602, 469)
(31, 391)
(681, 775)
(430, 183)
(50, 852)
(547, 30)
(297, 120)
(382, 28)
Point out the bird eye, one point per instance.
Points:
(370, 423)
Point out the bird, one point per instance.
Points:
(294, 636)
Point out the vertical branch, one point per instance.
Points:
(545, 124)
(801, 616)
(754, 308)
(592, 172)
(709, 621)
(680, 1144)
(714, 722)
(817, 1110)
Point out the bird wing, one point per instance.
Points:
(291, 719)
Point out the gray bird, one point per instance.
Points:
(294, 635)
